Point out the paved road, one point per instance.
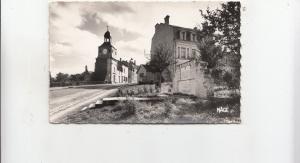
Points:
(67, 99)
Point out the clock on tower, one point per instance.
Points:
(104, 51)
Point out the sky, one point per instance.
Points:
(76, 29)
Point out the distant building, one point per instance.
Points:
(146, 74)
(181, 41)
(132, 71)
(107, 68)
(86, 74)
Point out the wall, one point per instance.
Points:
(166, 87)
(141, 78)
(164, 35)
(148, 76)
(190, 78)
(135, 90)
(132, 75)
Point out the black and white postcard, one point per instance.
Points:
(145, 62)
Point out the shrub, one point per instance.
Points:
(234, 83)
(124, 109)
(216, 73)
(227, 77)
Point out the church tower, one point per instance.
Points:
(104, 60)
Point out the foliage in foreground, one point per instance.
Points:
(173, 110)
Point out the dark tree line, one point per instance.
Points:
(62, 79)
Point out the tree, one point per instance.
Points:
(223, 26)
(210, 52)
(61, 77)
(51, 78)
(161, 60)
(216, 74)
(227, 77)
(225, 21)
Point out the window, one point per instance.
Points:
(183, 52)
(183, 36)
(194, 37)
(141, 75)
(114, 69)
(178, 35)
(188, 36)
(194, 53)
(178, 52)
(188, 52)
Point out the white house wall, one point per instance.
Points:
(118, 77)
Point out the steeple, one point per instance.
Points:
(107, 36)
(86, 69)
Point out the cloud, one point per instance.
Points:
(108, 7)
(58, 49)
(93, 23)
(132, 49)
(62, 4)
(76, 29)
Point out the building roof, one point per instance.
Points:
(178, 27)
(184, 28)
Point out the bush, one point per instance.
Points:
(234, 84)
(125, 109)
(216, 73)
(227, 77)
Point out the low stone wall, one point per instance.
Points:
(166, 88)
(227, 93)
(139, 90)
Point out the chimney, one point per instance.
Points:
(156, 27)
(167, 19)
(120, 59)
(134, 62)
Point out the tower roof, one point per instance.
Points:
(107, 34)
